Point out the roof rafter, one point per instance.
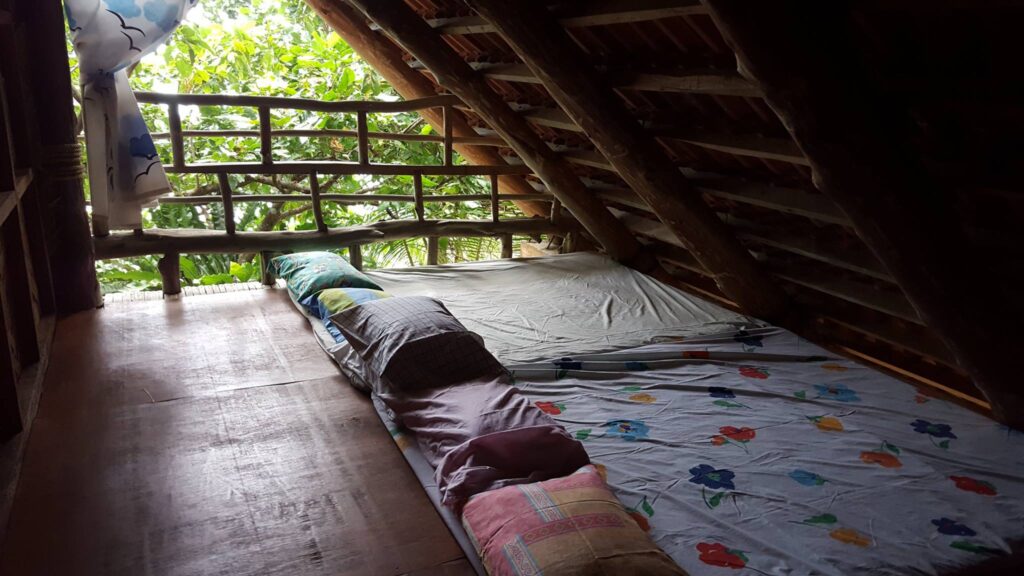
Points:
(403, 25)
(545, 47)
(861, 148)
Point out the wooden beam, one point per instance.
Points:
(866, 156)
(388, 60)
(353, 198)
(638, 158)
(192, 241)
(409, 30)
(331, 167)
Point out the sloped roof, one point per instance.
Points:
(672, 69)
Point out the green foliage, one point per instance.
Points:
(282, 48)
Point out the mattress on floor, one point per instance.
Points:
(759, 450)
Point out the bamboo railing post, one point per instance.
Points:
(170, 273)
(417, 181)
(266, 276)
(355, 257)
(314, 192)
(363, 138)
(432, 249)
(229, 206)
(177, 143)
(506, 245)
(266, 148)
(495, 208)
(447, 124)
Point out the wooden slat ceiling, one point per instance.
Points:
(672, 70)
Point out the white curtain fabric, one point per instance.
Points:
(109, 35)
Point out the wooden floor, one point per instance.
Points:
(210, 435)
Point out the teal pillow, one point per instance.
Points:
(307, 273)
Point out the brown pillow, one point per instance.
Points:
(414, 342)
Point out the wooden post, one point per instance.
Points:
(556, 211)
(638, 157)
(867, 156)
(314, 192)
(363, 138)
(170, 273)
(52, 121)
(387, 59)
(400, 22)
(495, 207)
(355, 257)
(177, 142)
(266, 145)
(229, 206)
(447, 120)
(266, 276)
(506, 246)
(19, 290)
(417, 190)
(432, 249)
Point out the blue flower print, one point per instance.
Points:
(162, 14)
(126, 8)
(627, 429)
(807, 478)
(952, 527)
(712, 477)
(749, 342)
(837, 392)
(720, 392)
(936, 430)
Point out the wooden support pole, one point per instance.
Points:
(177, 142)
(355, 257)
(170, 273)
(867, 157)
(404, 25)
(556, 211)
(495, 205)
(447, 120)
(417, 190)
(554, 58)
(362, 138)
(266, 144)
(266, 276)
(229, 206)
(318, 210)
(506, 246)
(52, 121)
(432, 250)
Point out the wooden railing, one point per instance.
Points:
(177, 241)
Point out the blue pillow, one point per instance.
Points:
(307, 273)
(330, 301)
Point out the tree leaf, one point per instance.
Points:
(647, 508)
(822, 519)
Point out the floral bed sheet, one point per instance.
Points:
(758, 452)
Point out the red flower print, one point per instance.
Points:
(971, 485)
(883, 459)
(738, 434)
(718, 555)
(718, 440)
(641, 520)
(753, 372)
(550, 408)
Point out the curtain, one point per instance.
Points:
(109, 36)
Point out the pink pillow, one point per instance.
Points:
(570, 525)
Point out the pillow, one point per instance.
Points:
(570, 525)
(413, 342)
(307, 273)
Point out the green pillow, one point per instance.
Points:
(334, 300)
(307, 273)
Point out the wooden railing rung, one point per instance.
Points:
(356, 198)
(447, 119)
(227, 200)
(417, 180)
(495, 197)
(364, 141)
(326, 133)
(355, 257)
(556, 210)
(432, 250)
(266, 145)
(318, 211)
(506, 246)
(328, 167)
(266, 276)
(177, 143)
(286, 103)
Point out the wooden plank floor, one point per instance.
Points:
(210, 435)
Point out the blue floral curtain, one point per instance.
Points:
(109, 36)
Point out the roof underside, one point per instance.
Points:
(671, 68)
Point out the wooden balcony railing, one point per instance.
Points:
(176, 241)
